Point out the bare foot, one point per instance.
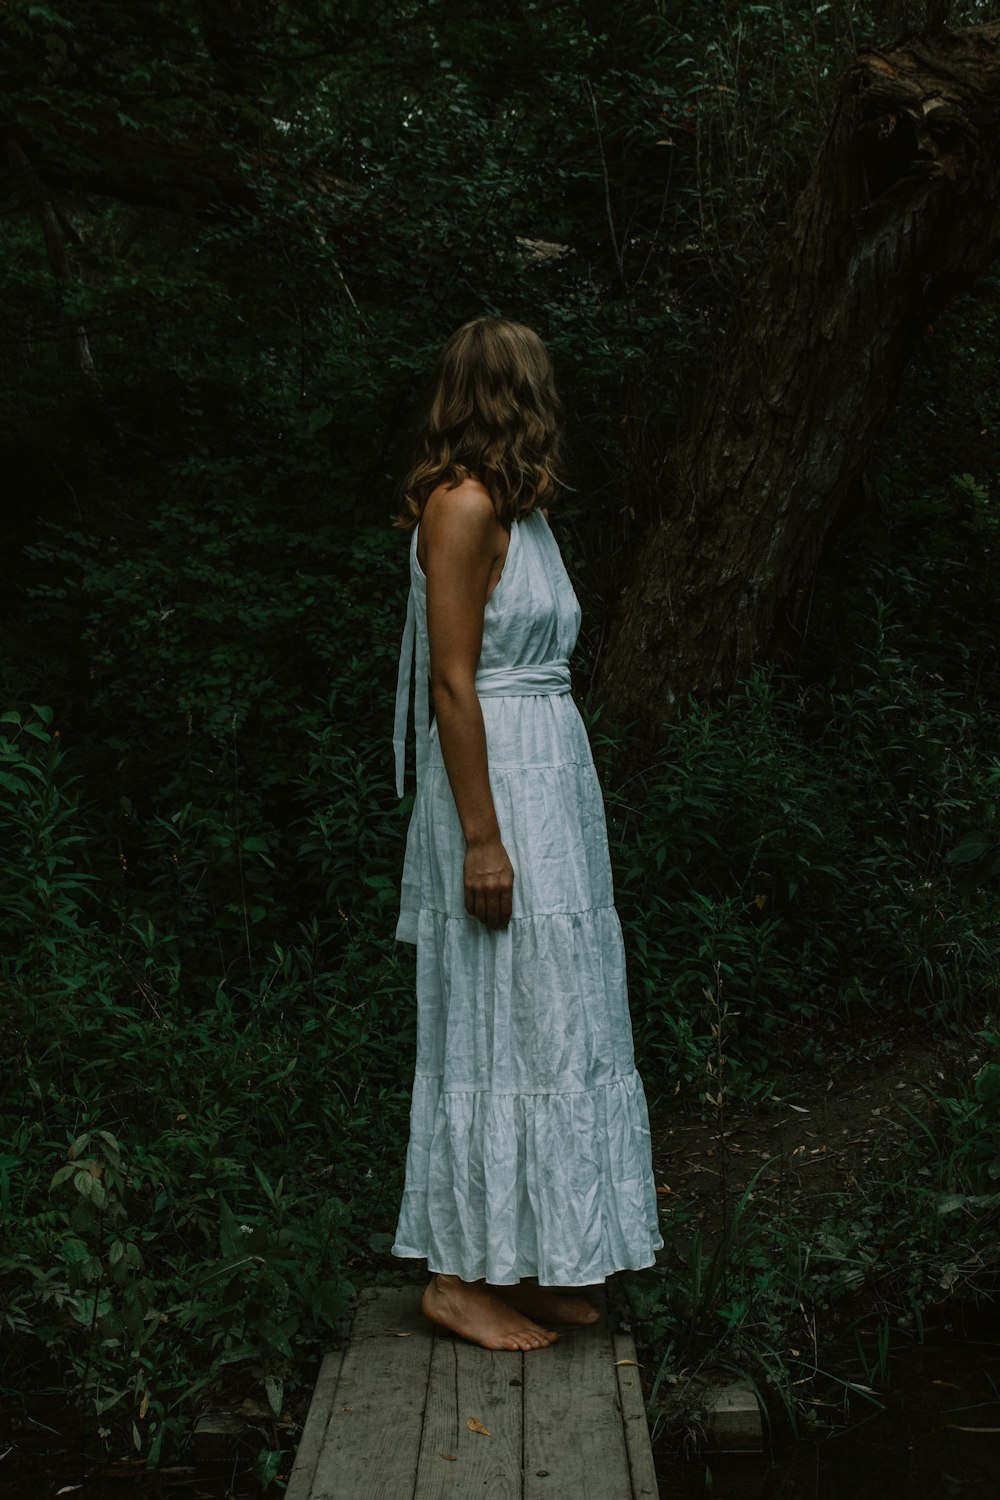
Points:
(474, 1311)
(549, 1305)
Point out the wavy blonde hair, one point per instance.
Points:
(494, 416)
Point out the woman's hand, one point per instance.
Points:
(489, 883)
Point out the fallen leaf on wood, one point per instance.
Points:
(397, 1334)
(474, 1425)
(629, 1362)
(449, 1457)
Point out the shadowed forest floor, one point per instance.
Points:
(823, 1136)
(825, 1148)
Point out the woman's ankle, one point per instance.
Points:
(444, 1280)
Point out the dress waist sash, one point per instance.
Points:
(537, 680)
(530, 681)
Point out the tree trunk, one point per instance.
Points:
(55, 245)
(902, 210)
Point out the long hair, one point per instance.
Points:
(493, 416)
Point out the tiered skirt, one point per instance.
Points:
(529, 1146)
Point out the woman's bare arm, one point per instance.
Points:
(462, 539)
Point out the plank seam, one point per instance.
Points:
(423, 1415)
(458, 1407)
(524, 1417)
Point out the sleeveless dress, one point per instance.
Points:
(529, 1145)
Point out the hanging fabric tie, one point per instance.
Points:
(411, 654)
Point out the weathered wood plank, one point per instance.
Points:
(631, 1401)
(467, 1381)
(574, 1439)
(300, 1480)
(372, 1441)
(734, 1416)
(563, 1421)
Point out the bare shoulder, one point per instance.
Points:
(463, 516)
(461, 524)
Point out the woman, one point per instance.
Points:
(529, 1148)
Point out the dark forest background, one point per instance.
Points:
(233, 238)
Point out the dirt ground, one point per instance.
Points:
(821, 1137)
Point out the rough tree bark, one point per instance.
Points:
(902, 209)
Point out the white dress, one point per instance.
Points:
(529, 1146)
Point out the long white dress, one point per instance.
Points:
(529, 1145)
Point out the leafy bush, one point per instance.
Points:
(827, 837)
(187, 1184)
(751, 843)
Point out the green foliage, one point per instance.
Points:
(221, 684)
(42, 893)
(752, 843)
(828, 836)
(232, 240)
(967, 1143)
(189, 1179)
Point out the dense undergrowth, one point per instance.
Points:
(832, 842)
(828, 843)
(210, 1023)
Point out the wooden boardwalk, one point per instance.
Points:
(390, 1415)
